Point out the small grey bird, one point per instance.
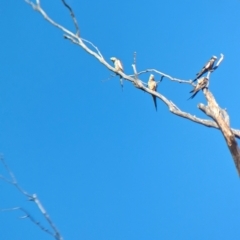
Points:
(202, 83)
(152, 84)
(119, 67)
(207, 67)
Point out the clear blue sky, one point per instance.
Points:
(103, 162)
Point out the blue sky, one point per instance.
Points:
(103, 162)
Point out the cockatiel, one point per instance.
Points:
(119, 68)
(152, 84)
(207, 67)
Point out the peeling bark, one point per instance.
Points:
(219, 116)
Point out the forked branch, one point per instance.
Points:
(31, 197)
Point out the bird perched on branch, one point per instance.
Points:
(118, 67)
(152, 84)
(207, 67)
(202, 83)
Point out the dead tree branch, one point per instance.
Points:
(165, 75)
(33, 198)
(219, 62)
(212, 110)
(73, 17)
(221, 118)
(27, 215)
(99, 53)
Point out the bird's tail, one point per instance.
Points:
(155, 101)
(121, 82)
(193, 95)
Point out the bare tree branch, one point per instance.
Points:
(137, 83)
(33, 198)
(221, 118)
(30, 217)
(99, 53)
(219, 61)
(166, 76)
(221, 123)
(38, 8)
(13, 179)
(73, 17)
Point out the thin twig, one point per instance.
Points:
(219, 61)
(30, 197)
(13, 179)
(134, 65)
(73, 17)
(38, 8)
(166, 76)
(44, 212)
(30, 217)
(137, 83)
(5, 179)
(111, 76)
(99, 53)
